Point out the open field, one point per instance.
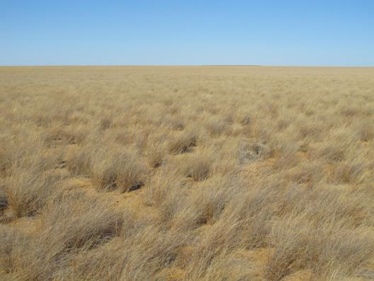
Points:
(186, 173)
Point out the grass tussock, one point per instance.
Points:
(324, 248)
(123, 171)
(184, 173)
(183, 142)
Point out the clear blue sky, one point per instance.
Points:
(187, 32)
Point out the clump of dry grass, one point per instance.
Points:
(122, 171)
(347, 173)
(328, 249)
(250, 152)
(74, 223)
(198, 167)
(5, 161)
(332, 154)
(246, 119)
(28, 192)
(183, 142)
(79, 160)
(156, 156)
(217, 126)
(156, 151)
(239, 173)
(365, 131)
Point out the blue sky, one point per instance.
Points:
(187, 32)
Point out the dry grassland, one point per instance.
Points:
(186, 173)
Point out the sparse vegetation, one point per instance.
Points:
(186, 173)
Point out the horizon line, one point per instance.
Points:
(181, 65)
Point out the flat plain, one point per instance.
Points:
(186, 173)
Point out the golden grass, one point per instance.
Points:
(186, 173)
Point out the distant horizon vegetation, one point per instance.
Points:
(184, 65)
